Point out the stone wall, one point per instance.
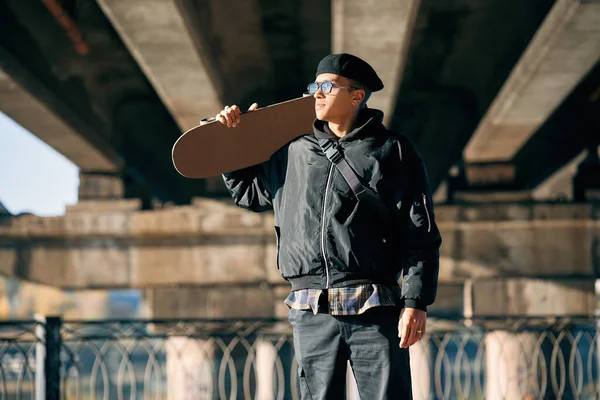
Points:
(211, 259)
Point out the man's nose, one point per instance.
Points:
(319, 93)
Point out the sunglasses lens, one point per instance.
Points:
(326, 87)
(312, 88)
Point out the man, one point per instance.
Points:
(343, 252)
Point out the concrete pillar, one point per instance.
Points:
(190, 369)
(421, 369)
(161, 29)
(351, 387)
(379, 31)
(510, 365)
(562, 52)
(266, 371)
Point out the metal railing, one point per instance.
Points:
(518, 358)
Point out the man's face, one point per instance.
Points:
(338, 105)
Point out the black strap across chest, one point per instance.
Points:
(361, 192)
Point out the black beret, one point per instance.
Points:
(351, 67)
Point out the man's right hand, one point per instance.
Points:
(230, 116)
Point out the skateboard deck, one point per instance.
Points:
(212, 148)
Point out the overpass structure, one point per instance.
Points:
(502, 98)
(498, 95)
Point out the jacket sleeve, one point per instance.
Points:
(421, 236)
(249, 188)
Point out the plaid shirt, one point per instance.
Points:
(351, 300)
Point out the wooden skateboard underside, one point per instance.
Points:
(212, 149)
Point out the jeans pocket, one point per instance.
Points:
(291, 315)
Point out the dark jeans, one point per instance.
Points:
(324, 343)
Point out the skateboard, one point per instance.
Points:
(212, 148)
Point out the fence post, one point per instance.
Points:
(52, 364)
(40, 357)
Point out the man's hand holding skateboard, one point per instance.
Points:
(230, 116)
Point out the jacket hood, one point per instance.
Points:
(367, 120)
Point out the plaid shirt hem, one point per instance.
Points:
(351, 300)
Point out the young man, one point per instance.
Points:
(343, 252)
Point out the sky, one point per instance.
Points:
(34, 177)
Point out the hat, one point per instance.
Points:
(350, 67)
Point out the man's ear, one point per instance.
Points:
(359, 96)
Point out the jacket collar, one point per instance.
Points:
(368, 120)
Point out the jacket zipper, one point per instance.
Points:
(427, 213)
(323, 222)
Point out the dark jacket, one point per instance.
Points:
(325, 237)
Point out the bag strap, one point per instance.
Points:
(361, 192)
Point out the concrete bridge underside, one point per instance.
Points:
(504, 94)
(501, 97)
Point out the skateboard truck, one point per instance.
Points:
(206, 120)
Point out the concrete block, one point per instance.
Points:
(272, 273)
(212, 302)
(19, 226)
(93, 263)
(449, 299)
(8, 259)
(232, 260)
(281, 292)
(533, 249)
(110, 223)
(165, 263)
(487, 174)
(450, 245)
(45, 226)
(194, 261)
(445, 213)
(495, 212)
(166, 222)
(562, 212)
(216, 204)
(98, 263)
(47, 264)
(529, 297)
(227, 221)
(251, 302)
(105, 205)
(92, 186)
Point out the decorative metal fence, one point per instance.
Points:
(520, 358)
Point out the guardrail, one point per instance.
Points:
(491, 358)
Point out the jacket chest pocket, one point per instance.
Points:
(420, 213)
(277, 243)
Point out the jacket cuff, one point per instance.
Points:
(412, 303)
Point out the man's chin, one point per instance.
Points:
(321, 115)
